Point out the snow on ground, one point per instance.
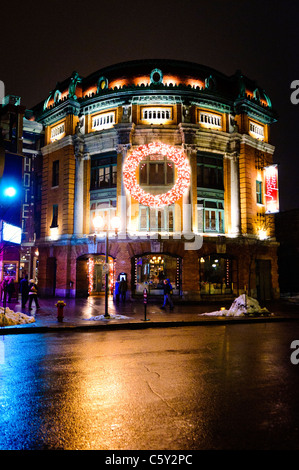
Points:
(241, 306)
(14, 318)
(294, 299)
(111, 317)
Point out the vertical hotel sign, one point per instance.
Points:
(271, 189)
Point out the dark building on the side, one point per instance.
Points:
(287, 233)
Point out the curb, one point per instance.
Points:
(138, 325)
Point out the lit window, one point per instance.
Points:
(259, 199)
(104, 208)
(156, 220)
(103, 121)
(210, 216)
(210, 120)
(57, 132)
(54, 223)
(156, 115)
(256, 131)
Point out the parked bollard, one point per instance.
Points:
(145, 296)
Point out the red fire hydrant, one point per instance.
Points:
(60, 306)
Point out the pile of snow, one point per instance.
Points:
(241, 306)
(111, 317)
(14, 318)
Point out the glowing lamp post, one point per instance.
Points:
(99, 223)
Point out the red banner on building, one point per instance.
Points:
(271, 189)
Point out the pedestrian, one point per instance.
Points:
(4, 289)
(24, 289)
(32, 294)
(10, 288)
(123, 289)
(167, 294)
(116, 291)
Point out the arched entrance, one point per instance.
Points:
(149, 271)
(91, 272)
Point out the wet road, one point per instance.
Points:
(206, 387)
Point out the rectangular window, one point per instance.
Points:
(156, 115)
(55, 173)
(103, 173)
(54, 216)
(143, 218)
(210, 120)
(256, 131)
(156, 173)
(259, 198)
(103, 121)
(210, 216)
(106, 208)
(209, 171)
(57, 132)
(156, 220)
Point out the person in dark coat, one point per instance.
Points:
(4, 290)
(24, 289)
(32, 294)
(123, 289)
(167, 294)
(10, 289)
(117, 291)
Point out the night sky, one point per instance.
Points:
(42, 43)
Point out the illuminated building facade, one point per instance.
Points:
(181, 154)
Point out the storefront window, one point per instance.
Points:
(9, 270)
(215, 274)
(152, 269)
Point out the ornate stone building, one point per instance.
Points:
(180, 153)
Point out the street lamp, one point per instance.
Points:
(99, 223)
(10, 191)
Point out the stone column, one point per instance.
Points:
(79, 182)
(123, 206)
(187, 207)
(235, 196)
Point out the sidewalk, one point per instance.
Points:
(89, 314)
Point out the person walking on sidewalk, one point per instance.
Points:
(123, 289)
(11, 289)
(24, 289)
(167, 294)
(33, 294)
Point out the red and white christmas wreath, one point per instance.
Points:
(172, 153)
